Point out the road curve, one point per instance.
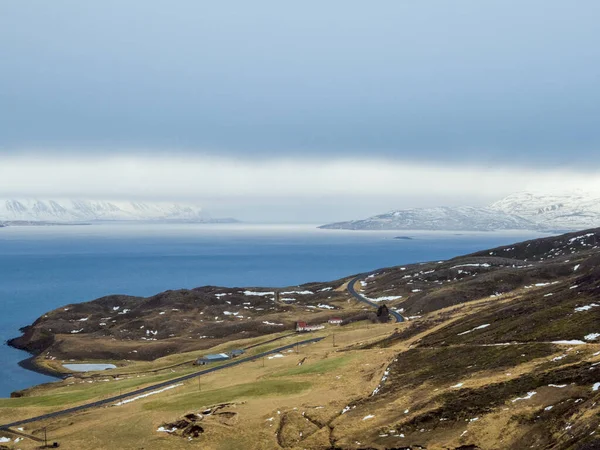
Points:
(116, 398)
(361, 298)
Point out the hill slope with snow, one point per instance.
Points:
(72, 211)
(520, 211)
(461, 218)
(569, 211)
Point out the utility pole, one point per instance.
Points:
(263, 358)
(199, 385)
(45, 437)
(334, 339)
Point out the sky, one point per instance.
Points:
(299, 111)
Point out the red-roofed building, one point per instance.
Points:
(301, 326)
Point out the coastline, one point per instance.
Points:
(32, 365)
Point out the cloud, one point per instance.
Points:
(323, 189)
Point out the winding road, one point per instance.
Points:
(173, 381)
(363, 299)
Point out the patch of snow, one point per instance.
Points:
(129, 400)
(457, 385)
(370, 416)
(596, 386)
(276, 355)
(480, 327)
(592, 336)
(527, 397)
(576, 267)
(266, 322)
(560, 386)
(567, 342)
(259, 294)
(586, 307)
(472, 265)
(298, 292)
(383, 299)
(324, 306)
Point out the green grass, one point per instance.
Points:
(197, 400)
(77, 393)
(323, 366)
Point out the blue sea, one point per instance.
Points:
(42, 268)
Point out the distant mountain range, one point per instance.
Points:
(520, 211)
(574, 211)
(79, 211)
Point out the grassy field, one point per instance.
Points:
(484, 373)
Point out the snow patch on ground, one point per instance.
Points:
(527, 397)
(480, 327)
(324, 306)
(259, 294)
(586, 307)
(471, 265)
(383, 299)
(129, 400)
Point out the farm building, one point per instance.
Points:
(207, 359)
(300, 326)
(335, 321)
(236, 352)
(303, 326)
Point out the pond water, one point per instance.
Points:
(88, 367)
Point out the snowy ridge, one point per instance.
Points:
(520, 211)
(461, 218)
(570, 211)
(50, 210)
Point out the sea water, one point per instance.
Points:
(43, 268)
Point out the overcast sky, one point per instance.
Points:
(305, 110)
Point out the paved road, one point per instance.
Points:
(363, 299)
(117, 398)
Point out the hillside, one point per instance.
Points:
(81, 210)
(461, 218)
(500, 350)
(569, 211)
(520, 211)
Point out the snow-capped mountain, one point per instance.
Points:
(47, 210)
(569, 211)
(461, 218)
(520, 211)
